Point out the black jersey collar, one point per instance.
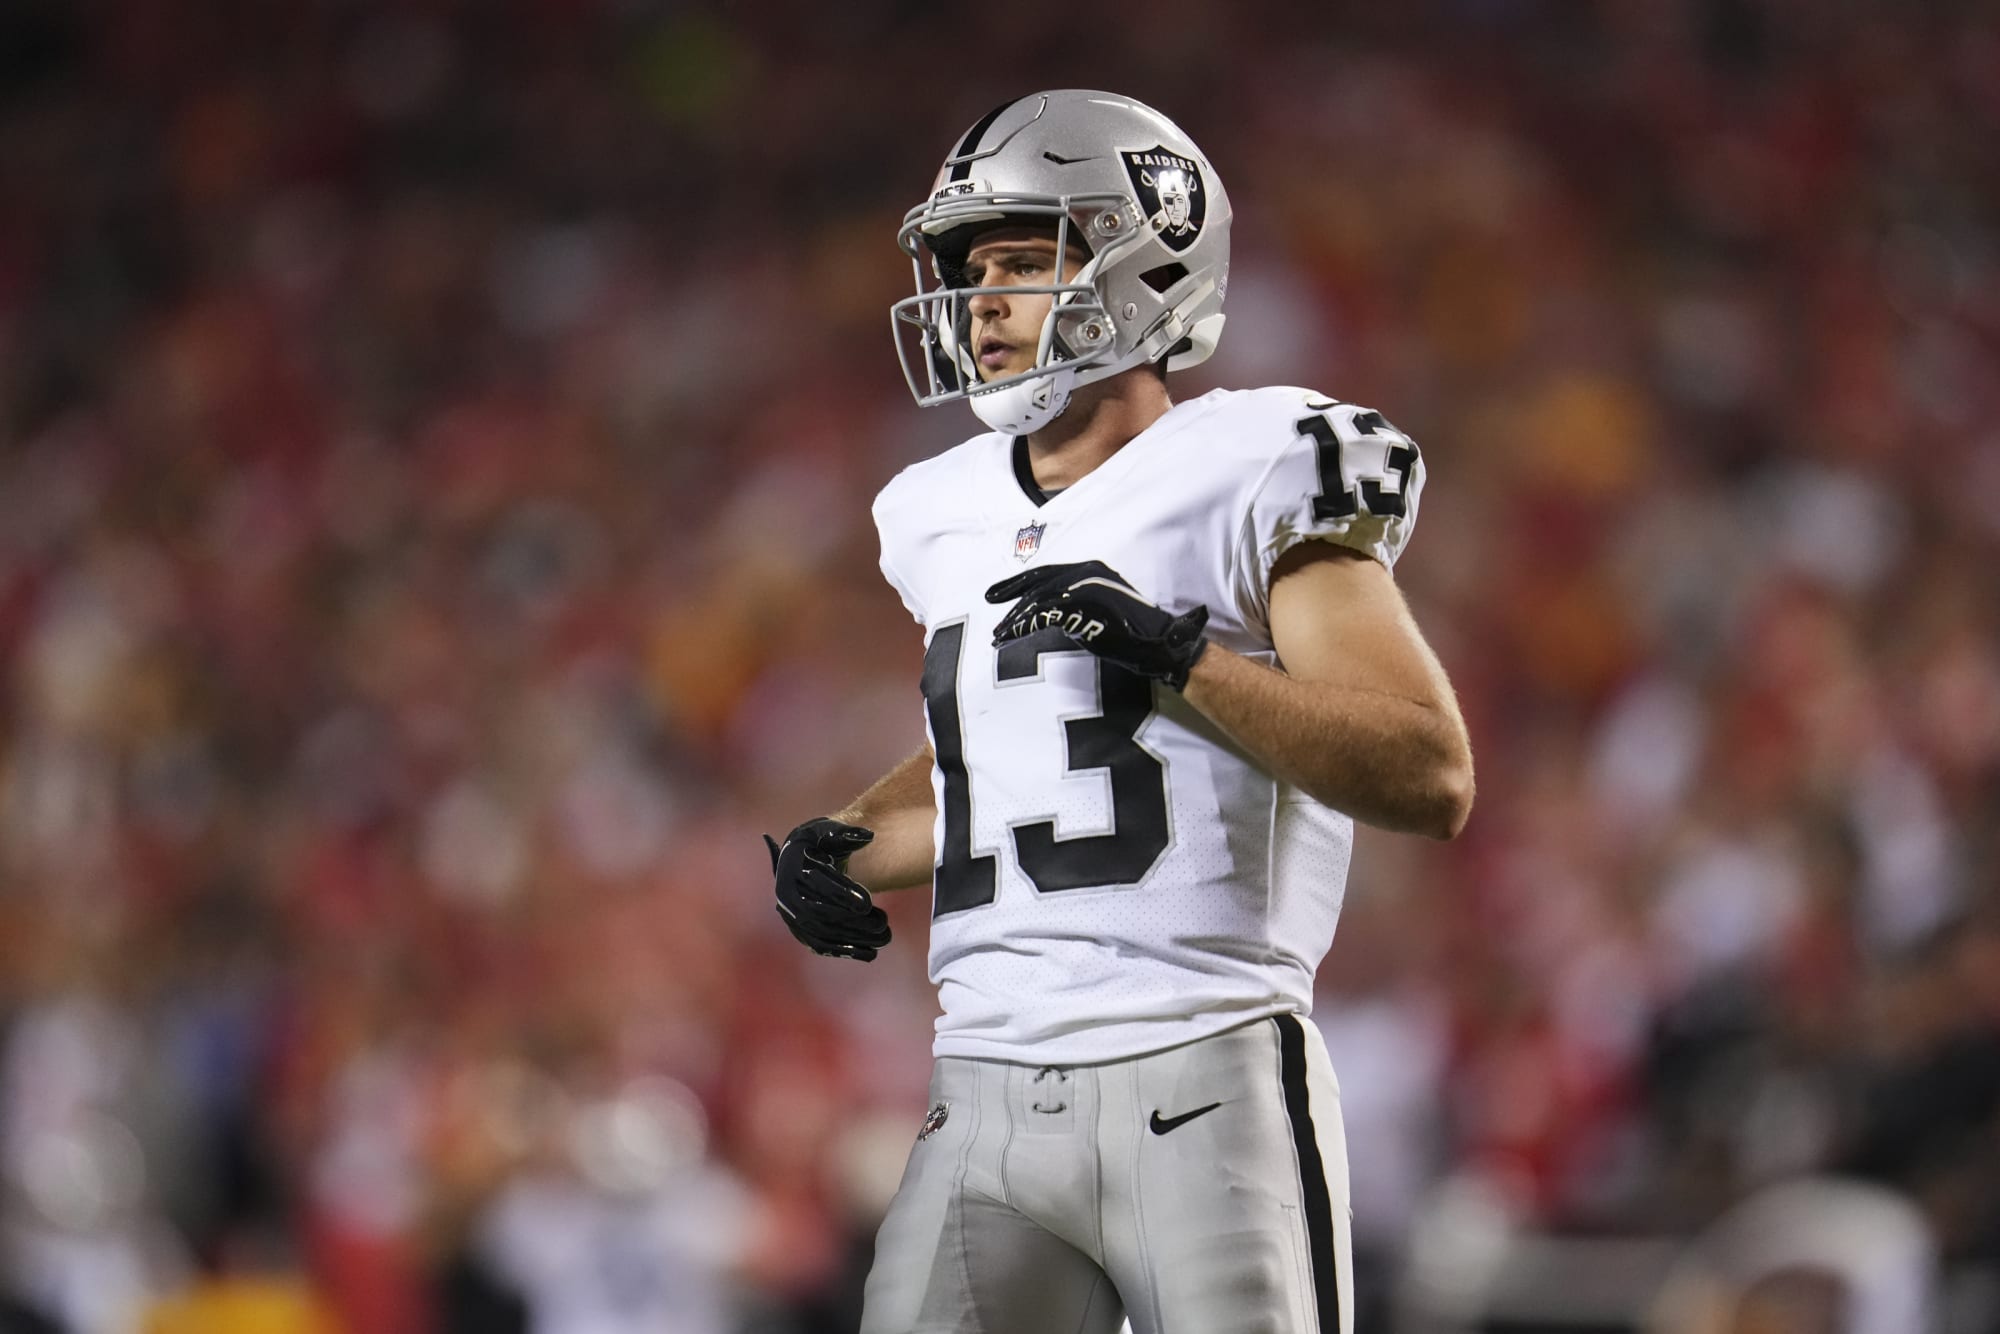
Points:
(1024, 473)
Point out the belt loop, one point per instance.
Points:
(1055, 1100)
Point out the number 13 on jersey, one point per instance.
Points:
(1336, 498)
(1105, 740)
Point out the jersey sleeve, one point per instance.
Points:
(1345, 476)
(892, 560)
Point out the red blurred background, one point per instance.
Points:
(435, 446)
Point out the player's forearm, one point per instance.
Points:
(901, 811)
(1397, 763)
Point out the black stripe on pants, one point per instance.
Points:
(1312, 1171)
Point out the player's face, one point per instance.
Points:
(1006, 328)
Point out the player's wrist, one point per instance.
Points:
(835, 837)
(1208, 675)
(1186, 663)
(1184, 644)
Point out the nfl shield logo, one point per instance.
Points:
(1029, 540)
(934, 1120)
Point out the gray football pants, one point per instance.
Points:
(1060, 1201)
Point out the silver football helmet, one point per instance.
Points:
(1111, 176)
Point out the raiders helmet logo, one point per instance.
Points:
(934, 1120)
(1170, 194)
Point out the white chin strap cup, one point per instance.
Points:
(1026, 406)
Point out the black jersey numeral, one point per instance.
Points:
(1106, 740)
(1336, 499)
(963, 880)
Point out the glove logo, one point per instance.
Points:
(1029, 540)
(933, 1121)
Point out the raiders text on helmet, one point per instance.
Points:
(1114, 178)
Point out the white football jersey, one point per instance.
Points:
(1115, 876)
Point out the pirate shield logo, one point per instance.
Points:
(1170, 192)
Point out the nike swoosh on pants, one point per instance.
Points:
(1161, 1127)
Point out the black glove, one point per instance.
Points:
(828, 912)
(1092, 604)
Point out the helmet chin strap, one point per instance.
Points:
(1026, 406)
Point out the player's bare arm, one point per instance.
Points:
(1362, 718)
(901, 811)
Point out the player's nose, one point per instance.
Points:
(987, 305)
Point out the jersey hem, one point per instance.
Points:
(1068, 1053)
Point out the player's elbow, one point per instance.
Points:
(1438, 795)
(1448, 799)
(1428, 792)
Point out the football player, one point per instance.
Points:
(1167, 668)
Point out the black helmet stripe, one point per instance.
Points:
(962, 155)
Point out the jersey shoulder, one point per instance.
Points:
(1265, 423)
(1250, 435)
(918, 488)
(1314, 467)
(921, 501)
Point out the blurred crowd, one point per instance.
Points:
(436, 440)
